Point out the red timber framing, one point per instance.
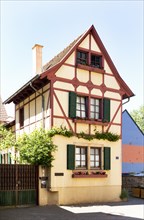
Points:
(126, 92)
(89, 122)
(23, 104)
(49, 76)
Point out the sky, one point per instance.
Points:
(55, 24)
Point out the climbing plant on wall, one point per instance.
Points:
(36, 148)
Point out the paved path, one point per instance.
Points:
(131, 210)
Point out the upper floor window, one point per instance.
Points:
(89, 107)
(95, 108)
(93, 60)
(81, 107)
(82, 110)
(21, 117)
(82, 57)
(96, 61)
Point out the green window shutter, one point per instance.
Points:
(106, 110)
(70, 157)
(0, 158)
(9, 158)
(72, 104)
(107, 158)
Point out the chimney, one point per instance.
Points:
(37, 59)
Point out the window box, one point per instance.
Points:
(91, 121)
(90, 68)
(98, 174)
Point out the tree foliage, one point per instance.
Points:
(7, 138)
(36, 148)
(138, 116)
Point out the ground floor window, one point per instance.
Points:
(81, 157)
(88, 157)
(83, 160)
(95, 157)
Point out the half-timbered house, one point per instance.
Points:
(79, 89)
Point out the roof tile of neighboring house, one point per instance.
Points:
(3, 113)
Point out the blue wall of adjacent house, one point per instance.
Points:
(132, 167)
(132, 145)
(131, 134)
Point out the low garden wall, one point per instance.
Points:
(130, 182)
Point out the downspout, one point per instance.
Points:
(43, 125)
(126, 101)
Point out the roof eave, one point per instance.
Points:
(9, 100)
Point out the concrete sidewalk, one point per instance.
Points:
(131, 210)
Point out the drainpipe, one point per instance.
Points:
(126, 101)
(43, 125)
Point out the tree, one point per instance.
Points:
(138, 116)
(36, 148)
(7, 138)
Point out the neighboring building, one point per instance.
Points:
(5, 155)
(3, 113)
(80, 89)
(132, 145)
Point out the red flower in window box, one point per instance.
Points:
(86, 174)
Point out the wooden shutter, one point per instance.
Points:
(0, 158)
(72, 104)
(107, 158)
(106, 110)
(70, 157)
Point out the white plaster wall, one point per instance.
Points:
(85, 43)
(111, 82)
(94, 45)
(71, 59)
(66, 72)
(96, 78)
(82, 75)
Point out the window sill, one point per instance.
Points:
(89, 175)
(87, 121)
(90, 68)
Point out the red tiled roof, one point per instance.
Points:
(59, 56)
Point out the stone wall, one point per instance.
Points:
(129, 182)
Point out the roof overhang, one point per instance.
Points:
(26, 90)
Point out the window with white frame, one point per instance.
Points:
(81, 157)
(95, 158)
(81, 110)
(95, 108)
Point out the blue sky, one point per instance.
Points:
(55, 24)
